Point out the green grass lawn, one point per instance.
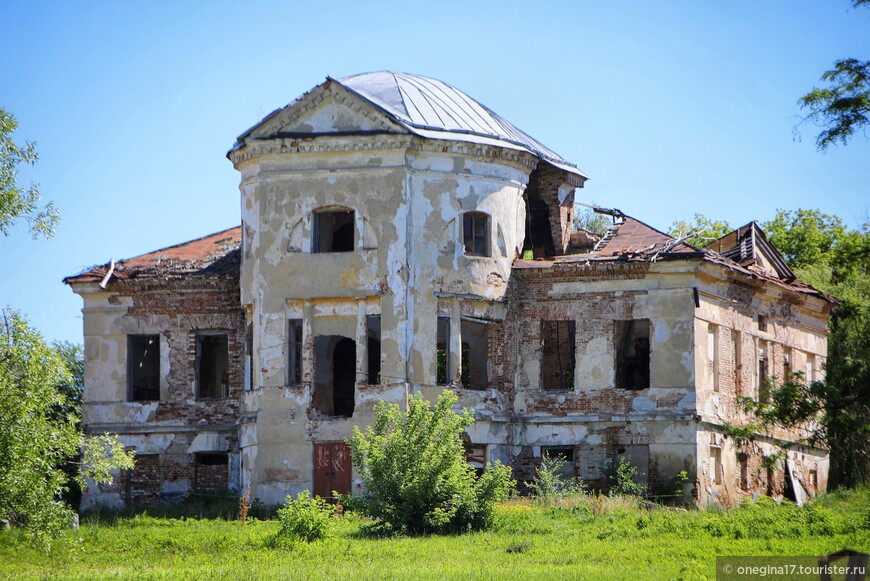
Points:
(592, 538)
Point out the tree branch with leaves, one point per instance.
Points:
(17, 202)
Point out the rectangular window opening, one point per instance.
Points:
(558, 354)
(143, 367)
(633, 354)
(294, 352)
(442, 352)
(475, 354)
(333, 231)
(212, 366)
(475, 233)
(787, 366)
(475, 456)
(373, 333)
(762, 323)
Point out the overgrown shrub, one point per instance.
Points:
(550, 485)
(412, 466)
(303, 518)
(624, 479)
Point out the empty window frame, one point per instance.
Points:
(373, 334)
(475, 354)
(212, 366)
(333, 230)
(335, 375)
(294, 352)
(633, 354)
(557, 354)
(787, 365)
(442, 352)
(475, 233)
(143, 367)
(475, 456)
(762, 323)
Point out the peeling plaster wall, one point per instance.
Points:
(595, 419)
(178, 426)
(408, 199)
(728, 338)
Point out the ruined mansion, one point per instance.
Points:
(399, 237)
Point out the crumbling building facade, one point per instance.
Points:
(399, 237)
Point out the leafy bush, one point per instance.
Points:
(550, 485)
(623, 479)
(412, 466)
(304, 518)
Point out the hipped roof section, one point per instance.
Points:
(433, 109)
(213, 255)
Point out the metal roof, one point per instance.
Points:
(430, 108)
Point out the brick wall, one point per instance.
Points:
(179, 309)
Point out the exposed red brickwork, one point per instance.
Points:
(179, 309)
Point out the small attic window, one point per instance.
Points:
(333, 230)
(762, 323)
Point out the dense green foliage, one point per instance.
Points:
(16, 202)
(699, 232)
(595, 538)
(414, 473)
(303, 518)
(37, 439)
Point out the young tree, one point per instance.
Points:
(700, 232)
(16, 202)
(414, 473)
(36, 440)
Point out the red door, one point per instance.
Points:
(332, 469)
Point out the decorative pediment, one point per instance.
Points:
(327, 109)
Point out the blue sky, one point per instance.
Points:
(671, 108)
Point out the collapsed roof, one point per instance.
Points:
(213, 255)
